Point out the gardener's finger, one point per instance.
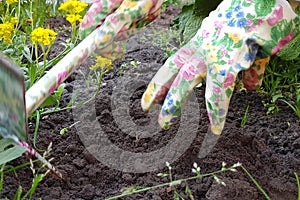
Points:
(253, 77)
(190, 75)
(96, 15)
(220, 82)
(161, 82)
(127, 13)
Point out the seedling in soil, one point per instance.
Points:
(135, 64)
(294, 105)
(66, 129)
(245, 118)
(272, 106)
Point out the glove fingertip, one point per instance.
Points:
(216, 130)
(145, 101)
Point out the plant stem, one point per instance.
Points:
(36, 55)
(6, 13)
(298, 184)
(73, 32)
(44, 59)
(1, 176)
(256, 183)
(175, 182)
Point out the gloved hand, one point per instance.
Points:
(116, 20)
(232, 38)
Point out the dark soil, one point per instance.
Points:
(268, 145)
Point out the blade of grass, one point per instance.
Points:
(11, 168)
(245, 118)
(37, 123)
(298, 184)
(256, 183)
(1, 176)
(18, 193)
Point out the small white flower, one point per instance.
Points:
(223, 164)
(195, 165)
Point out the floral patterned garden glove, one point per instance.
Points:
(236, 35)
(116, 20)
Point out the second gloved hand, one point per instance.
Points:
(231, 39)
(116, 20)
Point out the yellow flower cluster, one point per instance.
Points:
(11, 1)
(43, 36)
(73, 18)
(102, 63)
(6, 30)
(74, 8)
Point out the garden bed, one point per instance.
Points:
(268, 145)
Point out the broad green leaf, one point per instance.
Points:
(50, 101)
(291, 50)
(58, 92)
(5, 142)
(11, 154)
(181, 19)
(192, 26)
(204, 7)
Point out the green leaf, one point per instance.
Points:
(291, 50)
(18, 193)
(192, 26)
(35, 183)
(11, 154)
(50, 101)
(182, 18)
(5, 142)
(204, 7)
(63, 131)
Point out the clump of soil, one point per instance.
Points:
(268, 145)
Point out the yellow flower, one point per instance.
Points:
(73, 6)
(73, 18)
(43, 36)
(235, 37)
(6, 30)
(102, 63)
(11, 1)
(14, 20)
